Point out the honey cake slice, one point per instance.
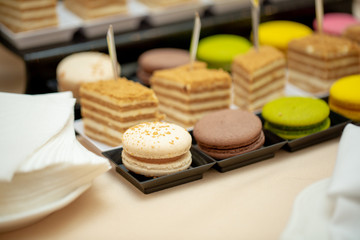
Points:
(110, 107)
(259, 76)
(20, 15)
(317, 61)
(92, 9)
(187, 93)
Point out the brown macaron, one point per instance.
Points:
(160, 58)
(230, 132)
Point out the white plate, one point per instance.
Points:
(161, 16)
(9, 223)
(120, 23)
(68, 25)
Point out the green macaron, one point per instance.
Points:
(296, 117)
(218, 51)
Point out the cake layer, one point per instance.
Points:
(20, 26)
(33, 14)
(278, 75)
(166, 3)
(258, 103)
(95, 11)
(183, 118)
(28, 4)
(106, 135)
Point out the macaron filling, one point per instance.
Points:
(158, 160)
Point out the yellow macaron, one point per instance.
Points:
(344, 97)
(279, 33)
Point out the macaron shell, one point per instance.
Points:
(156, 140)
(219, 50)
(345, 92)
(154, 170)
(348, 113)
(228, 128)
(295, 111)
(296, 133)
(336, 23)
(222, 154)
(270, 31)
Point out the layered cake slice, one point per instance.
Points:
(187, 93)
(20, 15)
(259, 76)
(90, 9)
(108, 108)
(317, 61)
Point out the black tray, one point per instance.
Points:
(337, 125)
(200, 164)
(271, 145)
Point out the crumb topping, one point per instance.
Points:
(120, 90)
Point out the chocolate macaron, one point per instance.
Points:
(160, 58)
(230, 132)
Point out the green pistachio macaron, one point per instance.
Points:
(296, 117)
(218, 51)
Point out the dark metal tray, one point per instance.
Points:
(200, 164)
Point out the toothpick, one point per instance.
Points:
(255, 14)
(195, 39)
(112, 50)
(319, 7)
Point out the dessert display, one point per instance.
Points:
(259, 76)
(110, 107)
(43, 167)
(96, 8)
(296, 117)
(335, 23)
(160, 58)
(156, 149)
(218, 51)
(83, 67)
(344, 97)
(187, 93)
(315, 62)
(20, 16)
(270, 31)
(353, 33)
(230, 132)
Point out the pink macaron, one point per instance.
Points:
(336, 23)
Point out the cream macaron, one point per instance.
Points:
(83, 67)
(156, 148)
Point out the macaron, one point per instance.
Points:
(160, 58)
(344, 97)
(279, 33)
(335, 23)
(227, 133)
(83, 67)
(219, 50)
(295, 117)
(156, 149)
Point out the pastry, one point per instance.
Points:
(296, 117)
(219, 50)
(160, 58)
(335, 23)
(187, 93)
(108, 108)
(353, 33)
(83, 67)
(315, 62)
(270, 32)
(230, 132)
(344, 97)
(259, 76)
(92, 9)
(20, 16)
(156, 148)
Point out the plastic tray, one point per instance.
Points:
(200, 164)
(271, 145)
